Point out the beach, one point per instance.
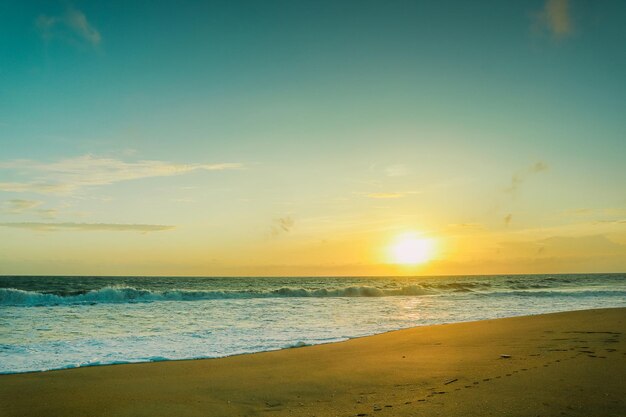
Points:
(570, 364)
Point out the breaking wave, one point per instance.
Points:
(120, 295)
(107, 295)
(561, 293)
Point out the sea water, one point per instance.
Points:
(63, 322)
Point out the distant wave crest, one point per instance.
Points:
(112, 295)
(15, 297)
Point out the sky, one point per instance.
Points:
(296, 138)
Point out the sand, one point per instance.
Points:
(563, 364)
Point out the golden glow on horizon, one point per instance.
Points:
(410, 249)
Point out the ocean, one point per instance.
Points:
(64, 322)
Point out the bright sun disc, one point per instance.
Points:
(411, 250)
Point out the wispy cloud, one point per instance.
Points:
(555, 18)
(281, 225)
(398, 170)
(465, 226)
(518, 179)
(110, 227)
(36, 187)
(69, 175)
(614, 221)
(17, 206)
(72, 25)
(386, 195)
(47, 213)
(597, 212)
(463, 229)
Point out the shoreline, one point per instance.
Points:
(96, 365)
(574, 359)
(284, 348)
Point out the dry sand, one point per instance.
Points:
(564, 364)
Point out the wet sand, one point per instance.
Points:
(563, 364)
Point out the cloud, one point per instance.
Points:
(47, 213)
(465, 226)
(564, 247)
(386, 195)
(282, 225)
(463, 229)
(389, 194)
(72, 26)
(538, 167)
(36, 187)
(399, 170)
(69, 175)
(518, 179)
(582, 245)
(616, 221)
(18, 206)
(596, 212)
(508, 218)
(111, 227)
(555, 18)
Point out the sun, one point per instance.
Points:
(410, 249)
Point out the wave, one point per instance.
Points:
(108, 295)
(118, 295)
(560, 293)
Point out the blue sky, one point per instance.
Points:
(299, 137)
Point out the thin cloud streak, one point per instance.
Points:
(386, 195)
(518, 179)
(36, 187)
(110, 227)
(72, 25)
(47, 213)
(69, 175)
(555, 17)
(398, 170)
(17, 206)
(281, 225)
